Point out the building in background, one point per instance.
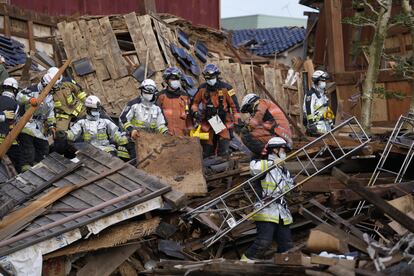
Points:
(282, 43)
(260, 21)
(204, 12)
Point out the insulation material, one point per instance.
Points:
(175, 160)
(24, 262)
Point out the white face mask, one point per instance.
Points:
(322, 85)
(95, 114)
(211, 82)
(175, 84)
(147, 97)
(282, 155)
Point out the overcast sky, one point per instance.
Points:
(290, 8)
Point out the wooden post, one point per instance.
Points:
(333, 17)
(375, 199)
(4, 147)
(32, 46)
(7, 29)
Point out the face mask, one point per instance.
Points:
(322, 85)
(95, 114)
(212, 82)
(282, 155)
(175, 84)
(147, 97)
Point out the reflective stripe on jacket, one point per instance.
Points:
(97, 132)
(275, 183)
(147, 116)
(269, 121)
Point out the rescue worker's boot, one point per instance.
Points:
(247, 260)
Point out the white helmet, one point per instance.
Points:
(148, 85)
(92, 102)
(277, 142)
(248, 100)
(51, 72)
(11, 82)
(319, 75)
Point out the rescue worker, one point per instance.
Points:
(266, 121)
(217, 104)
(9, 109)
(175, 103)
(33, 139)
(211, 74)
(318, 114)
(272, 222)
(68, 101)
(96, 130)
(3, 71)
(145, 115)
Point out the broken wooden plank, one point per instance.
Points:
(105, 262)
(137, 37)
(114, 54)
(151, 42)
(374, 199)
(176, 198)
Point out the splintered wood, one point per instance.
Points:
(116, 235)
(175, 160)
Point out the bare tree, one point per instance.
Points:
(377, 16)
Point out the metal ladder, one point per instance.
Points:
(400, 140)
(249, 202)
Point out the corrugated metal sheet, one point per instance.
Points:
(205, 12)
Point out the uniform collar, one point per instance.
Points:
(8, 94)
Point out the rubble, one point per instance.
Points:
(176, 214)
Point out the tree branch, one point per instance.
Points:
(370, 7)
(384, 6)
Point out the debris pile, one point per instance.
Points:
(173, 213)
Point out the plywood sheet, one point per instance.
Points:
(175, 160)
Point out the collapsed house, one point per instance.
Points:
(176, 214)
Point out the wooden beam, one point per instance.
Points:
(333, 17)
(375, 199)
(7, 28)
(32, 46)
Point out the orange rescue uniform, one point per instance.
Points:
(210, 100)
(269, 121)
(175, 107)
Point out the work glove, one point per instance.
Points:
(33, 102)
(9, 114)
(52, 131)
(311, 129)
(197, 116)
(134, 134)
(60, 135)
(284, 170)
(239, 126)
